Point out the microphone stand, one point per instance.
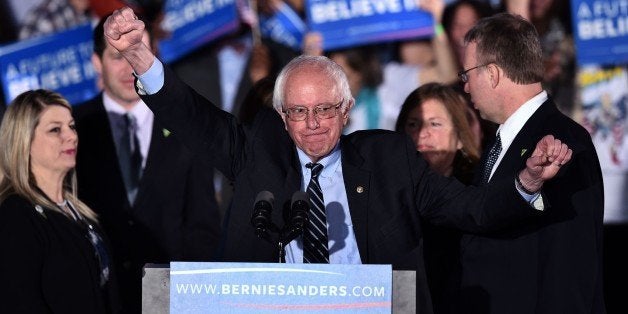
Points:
(287, 234)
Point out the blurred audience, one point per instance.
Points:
(53, 16)
(458, 18)
(54, 257)
(364, 73)
(552, 21)
(419, 62)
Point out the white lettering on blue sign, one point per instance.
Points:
(54, 70)
(602, 19)
(190, 12)
(337, 10)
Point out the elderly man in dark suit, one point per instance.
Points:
(154, 196)
(554, 263)
(369, 190)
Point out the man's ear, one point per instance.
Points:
(345, 114)
(350, 104)
(283, 118)
(97, 63)
(494, 73)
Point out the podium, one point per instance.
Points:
(156, 290)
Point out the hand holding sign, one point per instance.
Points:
(436, 7)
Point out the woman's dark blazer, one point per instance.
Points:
(48, 265)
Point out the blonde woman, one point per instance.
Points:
(54, 257)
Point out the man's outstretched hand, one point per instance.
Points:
(548, 156)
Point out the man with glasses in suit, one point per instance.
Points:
(369, 190)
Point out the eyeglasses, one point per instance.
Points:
(464, 77)
(300, 113)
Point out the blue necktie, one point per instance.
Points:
(129, 155)
(315, 238)
(493, 154)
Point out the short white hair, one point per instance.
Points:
(323, 64)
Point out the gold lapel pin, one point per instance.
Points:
(166, 132)
(359, 189)
(523, 151)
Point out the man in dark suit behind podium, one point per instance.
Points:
(375, 187)
(554, 263)
(160, 209)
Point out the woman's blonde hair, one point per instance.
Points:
(16, 135)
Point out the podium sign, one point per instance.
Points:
(290, 288)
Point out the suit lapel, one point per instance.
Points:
(157, 152)
(357, 186)
(524, 143)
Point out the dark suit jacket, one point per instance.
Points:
(175, 216)
(48, 264)
(554, 264)
(398, 189)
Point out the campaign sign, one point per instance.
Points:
(285, 27)
(601, 31)
(346, 23)
(286, 288)
(194, 23)
(59, 62)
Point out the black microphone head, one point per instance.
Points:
(264, 196)
(262, 209)
(299, 210)
(300, 196)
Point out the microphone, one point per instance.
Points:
(262, 209)
(299, 208)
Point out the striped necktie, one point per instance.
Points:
(315, 238)
(493, 154)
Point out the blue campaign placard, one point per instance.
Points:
(59, 62)
(194, 23)
(600, 31)
(285, 27)
(197, 287)
(347, 23)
